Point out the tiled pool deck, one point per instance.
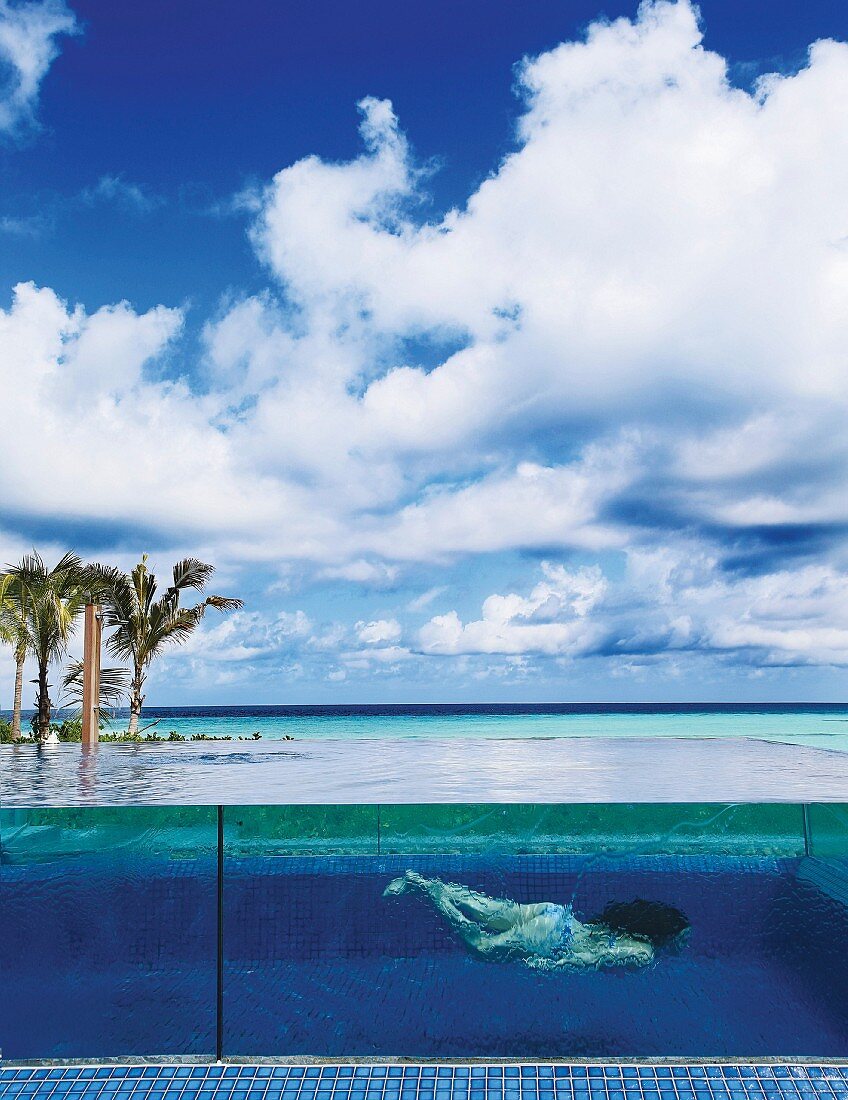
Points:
(427, 1082)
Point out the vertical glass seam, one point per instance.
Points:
(219, 970)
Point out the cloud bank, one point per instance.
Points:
(625, 355)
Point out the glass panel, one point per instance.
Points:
(813, 927)
(827, 824)
(286, 922)
(108, 932)
(665, 931)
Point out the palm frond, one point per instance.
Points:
(191, 573)
(224, 603)
(99, 581)
(31, 567)
(114, 684)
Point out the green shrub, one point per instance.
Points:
(70, 731)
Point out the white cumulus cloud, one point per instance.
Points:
(28, 47)
(552, 620)
(379, 632)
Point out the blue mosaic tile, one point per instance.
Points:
(426, 1082)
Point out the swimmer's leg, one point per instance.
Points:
(492, 914)
(497, 937)
(502, 928)
(410, 880)
(468, 930)
(441, 895)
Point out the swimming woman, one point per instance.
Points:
(545, 935)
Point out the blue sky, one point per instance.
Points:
(491, 351)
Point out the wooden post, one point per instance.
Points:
(91, 675)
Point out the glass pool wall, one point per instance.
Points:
(263, 932)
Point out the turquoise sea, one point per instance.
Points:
(816, 724)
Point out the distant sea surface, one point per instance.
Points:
(822, 725)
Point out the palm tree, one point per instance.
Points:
(144, 625)
(13, 631)
(53, 601)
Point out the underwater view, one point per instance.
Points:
(430, 931)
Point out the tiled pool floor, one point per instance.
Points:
(419, 1082)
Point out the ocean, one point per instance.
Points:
(822, 725)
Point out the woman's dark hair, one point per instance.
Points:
(654, 920)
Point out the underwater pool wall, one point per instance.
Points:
(147, 931)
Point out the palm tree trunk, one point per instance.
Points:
(43, 703)
(20, 659)
(136, 699)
